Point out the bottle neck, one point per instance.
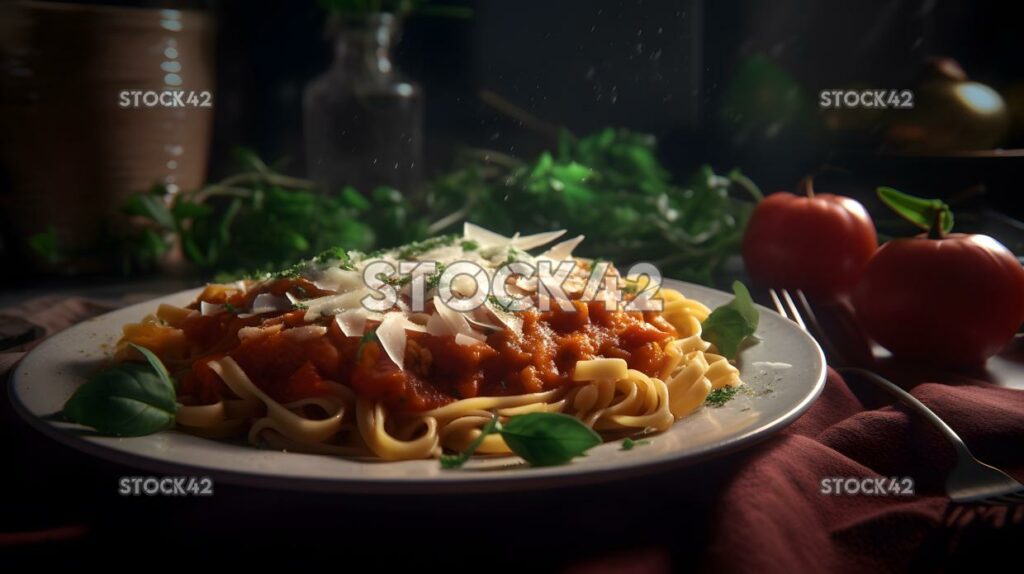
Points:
(366, 45)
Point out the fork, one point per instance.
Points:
(970, 481)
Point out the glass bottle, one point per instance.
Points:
(363, 121)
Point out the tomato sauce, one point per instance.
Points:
(437, 369)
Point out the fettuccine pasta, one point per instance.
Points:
(298, 362)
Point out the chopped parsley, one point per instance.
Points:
(417, 248)
(630, 444)
(719, 397)
(470, 245)
(231, 308)
(399, 281)
(369, 336)
(512, 256)
(335, 254)
(434, 280)
(508, 306)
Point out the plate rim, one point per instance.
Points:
(400, 485)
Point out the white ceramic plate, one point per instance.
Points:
(784, 372)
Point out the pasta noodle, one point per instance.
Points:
(656, 370)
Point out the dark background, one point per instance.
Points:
(659, 67)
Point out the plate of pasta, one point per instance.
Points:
(474, 361)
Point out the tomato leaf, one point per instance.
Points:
(918, 211)
(729, 324)
(546, 439)
(127, 400)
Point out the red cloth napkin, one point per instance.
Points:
(772, 515)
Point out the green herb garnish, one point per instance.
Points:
(508, 306)
(368, 337)
(417, 248)
(730, 324)
(542, 439)
(130, 399)
(630, 444)
(719, 397)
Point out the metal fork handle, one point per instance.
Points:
(916, 405)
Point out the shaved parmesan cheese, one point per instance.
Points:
(338, 280)
(208, 309)
(466, 341)
(483, 324)
(509, 320)
(528, 242)
(391, 335)
(267, 303)
(455, 321)
(352, 323)
(333, 304)
(483, 236)
(562, 251)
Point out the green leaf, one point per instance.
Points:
(918, 211)
(152, 207)
(249, 159)
(46, 245)
(546, 439)
(185, 209)
(127, 400)
(154, 361)
(354, 199)
(730, 324)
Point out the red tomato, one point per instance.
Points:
(819, 243)
(953, 301)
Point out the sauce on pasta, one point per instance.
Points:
(438, 369)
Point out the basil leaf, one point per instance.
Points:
(546, 439)
(127, 400)
(154, 361)
(918, 211)
(730, 324)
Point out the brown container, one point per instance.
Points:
(71, 151)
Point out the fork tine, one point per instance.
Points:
(811, 318)
(793, 311)
(778, 303)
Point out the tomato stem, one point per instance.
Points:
(806, 186)
(935, 231)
